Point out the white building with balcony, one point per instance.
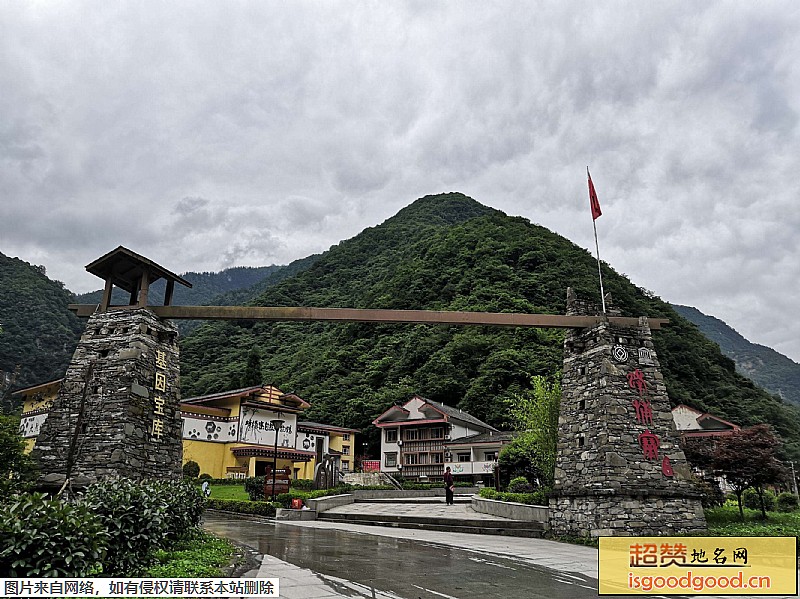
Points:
(421, 437)
(475, 456)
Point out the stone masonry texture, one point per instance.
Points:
(605, 481)
(116, 414)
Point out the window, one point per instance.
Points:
(390, 459)
(346, 437)
(345, 465)
(464, 457)
(391, 435)
(411, 434)
(345, 449)
(412, 459)
(437, 458)
(437, 433)
(490, 456)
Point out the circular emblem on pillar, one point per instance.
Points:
(619, 353)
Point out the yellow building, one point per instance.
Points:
(232, 434)
(36, 402)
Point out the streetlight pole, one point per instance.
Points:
(276, 426)
(400, 456)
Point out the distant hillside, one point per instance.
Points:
(230, 287)
(764, 366)
(448, 252)
(38, 333)
(205, 286)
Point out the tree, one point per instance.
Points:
(534, 413)
(16, 468)
(747, 458)
(191, 469)
(700, 454)
(252, 372)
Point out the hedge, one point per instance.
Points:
(536, 498)
(261, 508)
(43, 537)
(113, 530)
(142, 516)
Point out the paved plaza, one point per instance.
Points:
(319, 559)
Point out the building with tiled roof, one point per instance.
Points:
(231, 433)
(421, 437)
(694, 423)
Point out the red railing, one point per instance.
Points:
(371, 465)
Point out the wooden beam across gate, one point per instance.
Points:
(281, 313)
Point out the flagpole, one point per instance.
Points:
(597, 249)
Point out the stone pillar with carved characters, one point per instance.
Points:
(619, 468)
(116, 414)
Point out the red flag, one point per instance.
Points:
(593, 201)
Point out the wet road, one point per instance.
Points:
(405, 568)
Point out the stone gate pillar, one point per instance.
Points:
(116, 414)
(619, 468)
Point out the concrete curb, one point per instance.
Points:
(514, 511)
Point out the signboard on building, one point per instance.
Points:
(255, 427)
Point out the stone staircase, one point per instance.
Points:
(403, 514)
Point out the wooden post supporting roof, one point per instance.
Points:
(132, 273)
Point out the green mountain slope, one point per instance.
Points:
(38, 334)
(448, 252)
(763, 365)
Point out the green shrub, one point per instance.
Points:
(304, 484)
(43, 538)
(285, 499)
(191, 469)
(261, 508)
(520, 485)
(134, 519)
(538, 497)
(184, 504)
(255, 488)
(750, 500)
(206, 476)
(786, 502)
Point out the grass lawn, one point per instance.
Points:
(200, 555)
(725, 522)
(229, 492)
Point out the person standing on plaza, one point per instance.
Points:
(449, 486)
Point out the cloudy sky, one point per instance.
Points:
(213, 134)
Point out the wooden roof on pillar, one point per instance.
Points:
(125, 268)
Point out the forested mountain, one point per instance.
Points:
(448, 252)
(38, 333)
(763, 365)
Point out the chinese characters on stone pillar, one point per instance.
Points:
(648, 441)
(160, 389)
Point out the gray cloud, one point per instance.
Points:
(252, 133)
